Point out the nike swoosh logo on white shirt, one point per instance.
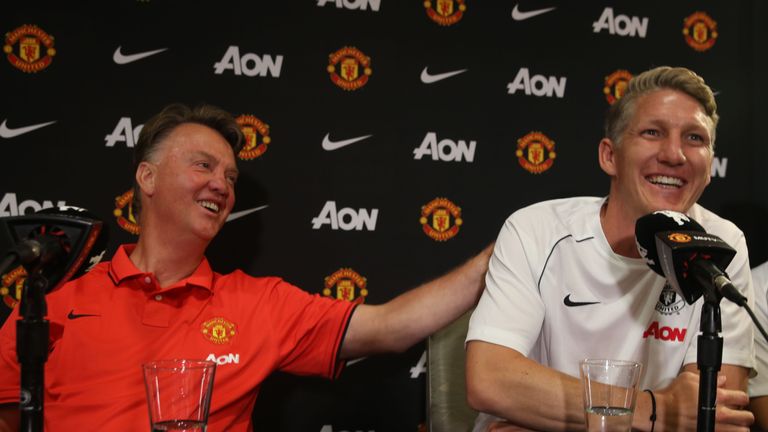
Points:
(238, 215)
(517, 15)
(329, 145)
(121, 58)
(7, 132)
(428, 78)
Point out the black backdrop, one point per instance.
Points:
(359, 206)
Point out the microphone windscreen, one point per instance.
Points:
(647, 226)
(86, 236)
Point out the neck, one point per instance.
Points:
(619, 229)
(169, 257)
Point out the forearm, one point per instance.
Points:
(503, 382)
(415, 314)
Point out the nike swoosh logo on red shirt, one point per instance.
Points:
(72, 315)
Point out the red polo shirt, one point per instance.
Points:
(105, 324)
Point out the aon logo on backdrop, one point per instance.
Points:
(346, 219)
(352, 4)
(124, 132)
(445, 149)
(10, 206)
(249, 64)
(621, 25)
(537, 85)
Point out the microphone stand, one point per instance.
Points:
(709, 358)
(32, 351)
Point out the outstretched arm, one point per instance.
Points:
(412, 316)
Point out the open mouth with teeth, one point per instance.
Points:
(210, 206)
(666, 181)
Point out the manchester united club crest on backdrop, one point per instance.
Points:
(535, 152)
(29, 48)
(440, 219)
(346, 284)
(256, 137)
(700, 31)
(349, 68)
(616, 85)
(445, 12)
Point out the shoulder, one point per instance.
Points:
(560, 217)
(715, 224)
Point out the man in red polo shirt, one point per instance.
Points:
(160, 299)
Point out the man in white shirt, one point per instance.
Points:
(566, 280)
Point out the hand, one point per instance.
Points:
(677, 406)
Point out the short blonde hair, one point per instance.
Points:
(662, 77)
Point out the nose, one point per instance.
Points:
(671, 151)
(219, 184)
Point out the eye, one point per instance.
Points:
(204, 164)
(651, 132)
(232, 180)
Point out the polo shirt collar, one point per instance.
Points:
(122, 268)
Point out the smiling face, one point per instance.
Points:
(664, 159)
(189, 183)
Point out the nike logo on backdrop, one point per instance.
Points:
(518, 15)
(428, 78)
(121, 58)
(568, 302)
(238, 215)
(329, 145)
(7, 132)
(72, 315)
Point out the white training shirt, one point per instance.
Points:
(758, 386)
(557, 293)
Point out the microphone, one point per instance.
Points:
(678, 248)
(59, 243)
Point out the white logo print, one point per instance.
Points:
(124, 132)
(122, 59)
(7, 132)
(518, 15)
(329, 145)
(224, 359)
(353, 4)
(347, 219)
(445, 150)
(238, 215)
(621, 25)
(538, 85)
(249, 64)
(428, 78)
(9, 205)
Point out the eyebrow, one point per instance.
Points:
(202, 153)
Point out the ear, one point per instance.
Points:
(606, 155)
(146, 174)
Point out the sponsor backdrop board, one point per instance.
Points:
(388, 140)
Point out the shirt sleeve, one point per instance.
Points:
(310, 330)
(758, 385)
(510, 311)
